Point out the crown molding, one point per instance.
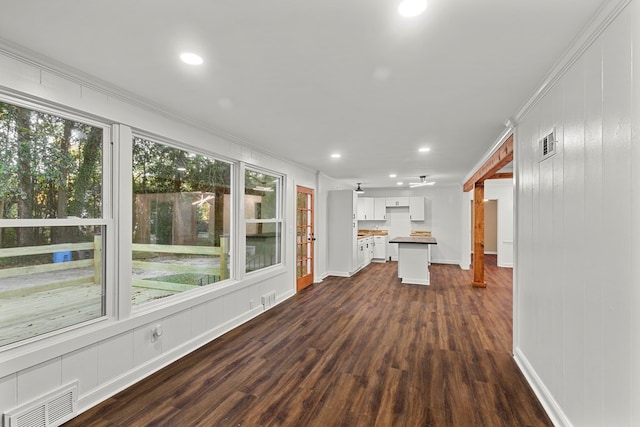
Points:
(606, 14)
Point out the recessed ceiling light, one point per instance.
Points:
(392, 175)
(424, 149)
(411, 8)
(400, 183)
(336, 156)
(191, 58)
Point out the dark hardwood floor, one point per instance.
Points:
(362, 351)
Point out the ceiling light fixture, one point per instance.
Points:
(359, 190)
(336, 156)
(424, 149)
(399, 183)
(392, 175)
(422, 183)
(411, 8)
(191, 58)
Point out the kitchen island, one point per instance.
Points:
(414, 256)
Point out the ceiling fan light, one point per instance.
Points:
(422, 183)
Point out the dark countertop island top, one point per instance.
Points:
(425, 240)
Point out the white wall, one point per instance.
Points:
(502, 191)
(577, 296)
(324, 185)
(109, 355)
(443, 211)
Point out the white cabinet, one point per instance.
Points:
(365, 208)
(368, 250)
(380, 208)
(380, 248)
(342, 233)
(397, 201)
(416, 208)
(365, 251)
(361, 254)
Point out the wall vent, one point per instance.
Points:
(269, 300)
(51, 410)
(548, 145)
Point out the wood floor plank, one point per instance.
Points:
(360, 351)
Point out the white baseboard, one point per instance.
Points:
(546, 399)
(445, 261)
(338, 273)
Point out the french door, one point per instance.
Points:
(304, 237)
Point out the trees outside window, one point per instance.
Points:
(181, 220)
(56, 220)
(51, 222)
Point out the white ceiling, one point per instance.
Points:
(304, 79)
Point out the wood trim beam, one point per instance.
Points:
(499, 159)
(478, 236)
(501, 175)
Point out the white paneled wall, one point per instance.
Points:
(109, 355)
(577, 321)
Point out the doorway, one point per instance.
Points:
(490, 227)
(305, 238)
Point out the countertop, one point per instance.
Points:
(425, 240)
(369, 233)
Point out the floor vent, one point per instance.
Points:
(269, 300)
(51, 410)
(548, 145)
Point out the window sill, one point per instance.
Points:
(26, 354)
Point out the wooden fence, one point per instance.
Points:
(221, 271)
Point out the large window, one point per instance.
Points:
(263, 220)
(181, 220)
(51, 223)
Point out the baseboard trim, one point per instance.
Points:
(546, 399)
(445, 261)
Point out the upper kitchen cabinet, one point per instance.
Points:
(366, 210)
(397, 201)
(380, 209)
(416, 208)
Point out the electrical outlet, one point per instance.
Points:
(156, 332)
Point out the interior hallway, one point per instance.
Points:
(358, 351)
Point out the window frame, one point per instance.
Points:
(126, 232)
(116, 217)
(106, 221)
(279, 219)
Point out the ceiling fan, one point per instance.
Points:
(423, 182)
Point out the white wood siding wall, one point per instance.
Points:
(109, 356)
(577, 307)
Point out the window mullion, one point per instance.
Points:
(123, 193)
(241, 230)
